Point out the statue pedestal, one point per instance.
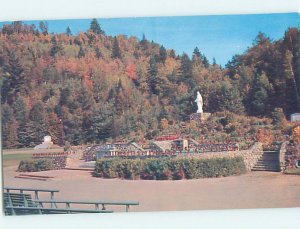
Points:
(199, 117)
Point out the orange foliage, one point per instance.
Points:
(264, 136)
(296, 134)
(131, 70)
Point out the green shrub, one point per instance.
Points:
(169, 168)
(35, 165)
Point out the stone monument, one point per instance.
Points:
(199, 102)
(199, 116)
(47, 144)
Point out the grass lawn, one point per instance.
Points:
(14, 159)
(295, 171)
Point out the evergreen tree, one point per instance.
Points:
(196, 53)
(9, 128)
(205, 61)
(98, 53)
(20, 111)
(14, 81)
(293, 100)
(259, 96)
(56, 48)
(116, 52)
(153, 78)
(81, 52)
(44, 27)
(162, 54)
(172, 54)
(68, 31)
(230, 99)
(38, 116)
(95, 27)
(186, 66)
(214, 62)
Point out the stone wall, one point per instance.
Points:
(282, 156)
(250, 156)
(292, 156)
(59, 159)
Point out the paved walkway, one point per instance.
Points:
(253, 190)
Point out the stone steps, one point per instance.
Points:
(269, 161)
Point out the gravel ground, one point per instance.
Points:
(252, 190)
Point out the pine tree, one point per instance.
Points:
(186, 66)
(38, 116)
(172, 54)
(14, 80)
(205, 61)
(230, 99)
(116, 52)
(259, 96)
(56, 48)
(68, 31)
(43, 27)
(293, 100)
(214, 62)
(155, 82)
(9, 127)
(81, 52)
(95, 27)
(196, 53)
(98, 53)
(162, 54)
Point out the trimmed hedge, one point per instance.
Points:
(35, 165)
(169, 168)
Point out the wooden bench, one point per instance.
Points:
(41, 211)
(22, 204)
(36, 191)
(17, 200)
(101, 203)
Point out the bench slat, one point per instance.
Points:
(89, 202)
(31, 210)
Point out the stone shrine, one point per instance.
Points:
(47, 144)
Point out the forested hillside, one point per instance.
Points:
(92, 87)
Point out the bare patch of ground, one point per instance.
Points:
(252, 190)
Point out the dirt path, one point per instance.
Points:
(253, 190)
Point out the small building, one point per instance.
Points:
(295, 117)
(113, 149)
(106, 150)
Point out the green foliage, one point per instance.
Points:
(278, 116)
(116, 52)
(81, 52)
(169, 168)
(35, 165)
(95, 27)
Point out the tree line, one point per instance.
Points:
(92, 87)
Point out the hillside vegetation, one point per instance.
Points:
(92, 87)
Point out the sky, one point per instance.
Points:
(216, 36)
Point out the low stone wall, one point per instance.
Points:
(250, 156)
(59, 159)
(292, 156)
(282, 156)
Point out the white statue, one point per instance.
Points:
(199, 102)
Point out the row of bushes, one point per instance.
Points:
(169, 168)
(35, 165)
